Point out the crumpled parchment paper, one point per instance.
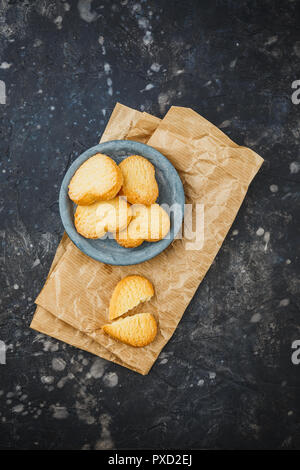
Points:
(216, 173)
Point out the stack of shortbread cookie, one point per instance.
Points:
(104, 192)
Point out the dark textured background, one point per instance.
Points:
(226, 379)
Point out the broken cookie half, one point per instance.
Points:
(137, 330)
(128, 293)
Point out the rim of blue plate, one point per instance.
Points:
(145, 251)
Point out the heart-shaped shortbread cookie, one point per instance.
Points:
(98, 179)
(150, 223)
(95, 220)
(137, 330)
(128, 293)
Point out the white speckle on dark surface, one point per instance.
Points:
(59, 412)
(110, 379)
(85, 407)
(294, 167)
(35, 263)
(58, 364)
(47, 379)
(107, 68)
(256, 317)
(148, 39)
(62, 382)
(143, 23)
(260, 231)
(85, 11)
(98, 368)
(271, 40)
(284, 302)
(164, 100)
(266, 240)
(18, 408)
(273, 188)
(148, 87)
(37, 42)
(58, 21)
(155, 67)
(48, 345)
(105, 442)
(5, 65)
(225, 124)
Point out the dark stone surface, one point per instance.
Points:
(226, 379)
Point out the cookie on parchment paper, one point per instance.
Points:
(128, 293)
(137, 330)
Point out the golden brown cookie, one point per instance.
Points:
(150, 223)
(137, 330)
(95, 220)
(98, 179)
(139, 186)
(128, 293)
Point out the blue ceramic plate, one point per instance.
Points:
(171, 192)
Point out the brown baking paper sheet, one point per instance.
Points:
(216, 173)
